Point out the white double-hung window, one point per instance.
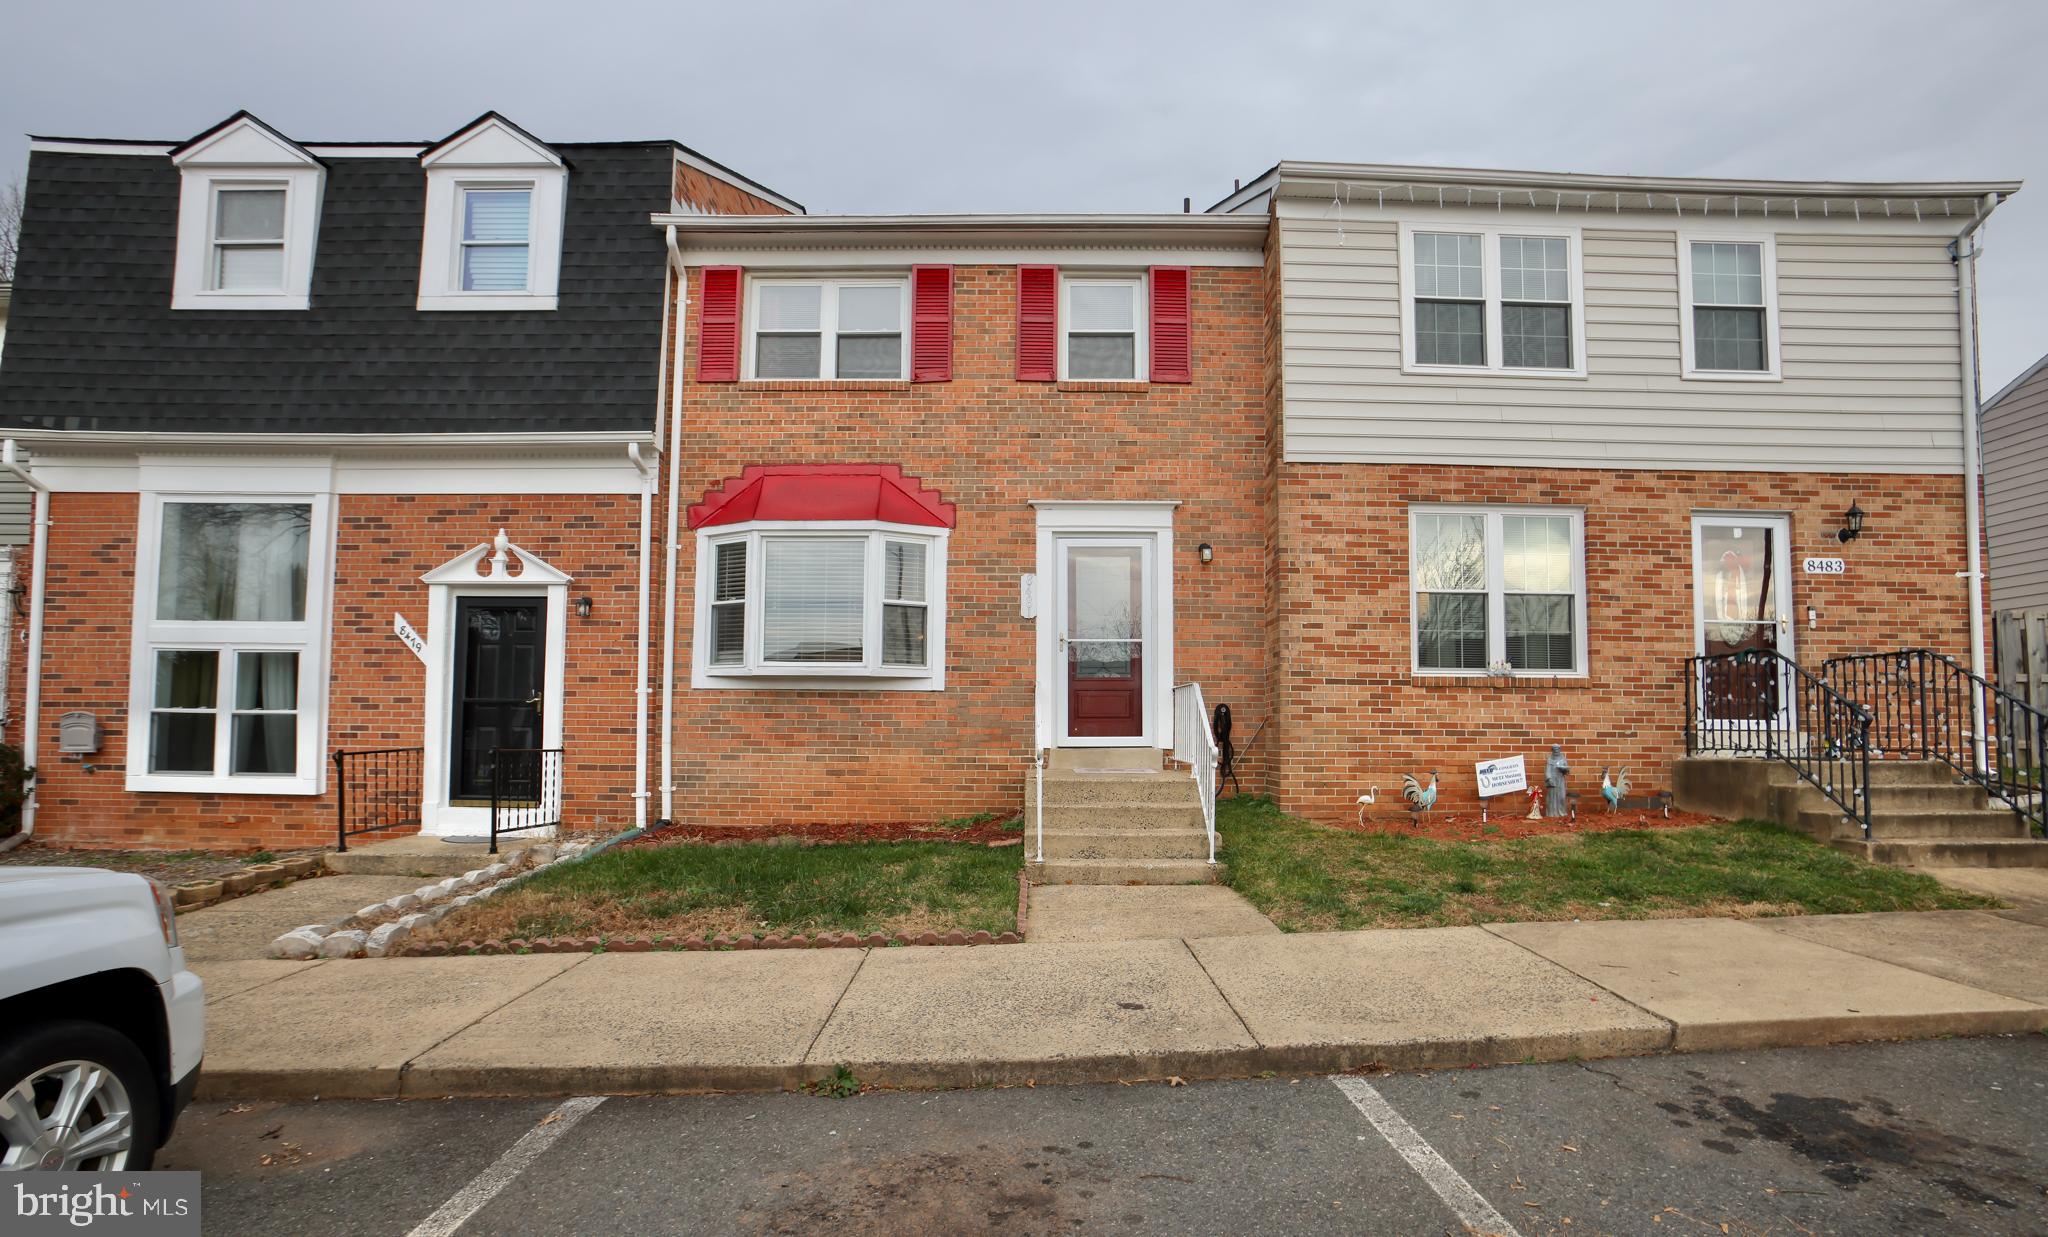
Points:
(228, 657)
(1491, 299)
(1100, 335)
(1498, 590)
(497, 228)
(829, 328)
(821, 605)
(248, 238)
(1730, 285)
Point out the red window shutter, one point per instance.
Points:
(718, 331)
(1172, 353)
(931, 324)
(1038, 323)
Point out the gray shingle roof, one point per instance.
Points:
(92, 343)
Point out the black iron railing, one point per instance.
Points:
(1759, 702)
(526, 790)
(375, 790)
(1927, 705)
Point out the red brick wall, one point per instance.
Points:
(384, 543)
(1356, 716)
(989, 444)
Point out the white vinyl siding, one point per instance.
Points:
(1870, 360)
(2016, 495)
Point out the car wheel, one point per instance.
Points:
(76, 1095)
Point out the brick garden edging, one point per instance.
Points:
(192, 895)
(648, 944)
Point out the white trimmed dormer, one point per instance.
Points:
(248, 219)
(493, 238)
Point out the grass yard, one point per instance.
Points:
(687, 889)
(1310, 878)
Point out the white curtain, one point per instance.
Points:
(233, 562)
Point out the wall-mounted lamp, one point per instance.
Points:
(583, 607)
(1852, 523)
(1206, 552)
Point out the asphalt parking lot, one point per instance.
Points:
(1942, 1136)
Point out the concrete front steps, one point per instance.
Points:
(1116, 816)
(1921, 816)
(422, 855)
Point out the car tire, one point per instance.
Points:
(33, 1053)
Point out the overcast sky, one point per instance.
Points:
(868, 105)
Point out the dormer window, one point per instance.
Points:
(496, 227)
(248, 238)
(493, 233)
(248, 216)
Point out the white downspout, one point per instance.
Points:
(641, 687)
(675, 447)
(32, 696)
(1973, 515)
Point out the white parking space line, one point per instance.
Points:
(1469, 1204)
(471, 1198)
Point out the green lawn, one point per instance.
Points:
(1309, 878)
(694, 889)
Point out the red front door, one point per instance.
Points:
(1103, 639)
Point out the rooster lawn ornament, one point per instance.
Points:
(1614, 789)
(1420, 798)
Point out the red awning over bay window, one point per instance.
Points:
(812, 492)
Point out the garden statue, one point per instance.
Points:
(1555, 771)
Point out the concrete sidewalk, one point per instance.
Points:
(560, 1024)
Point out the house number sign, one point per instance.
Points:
(1826, 567)
(408, 637)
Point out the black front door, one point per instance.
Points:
(500, 649)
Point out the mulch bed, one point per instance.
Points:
(1501, 826)
(987, 833)
(170, 867)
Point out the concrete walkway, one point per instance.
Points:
(1141, 913)
(244, 927)
(560, 1024)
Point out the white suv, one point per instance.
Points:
(101, 1025)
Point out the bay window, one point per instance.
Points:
(1498, 590)
(1491, 299)
(809, 606)
(226, 647)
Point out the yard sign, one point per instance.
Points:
(1500, 777)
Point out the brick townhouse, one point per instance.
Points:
(907, 517)
(287, 398)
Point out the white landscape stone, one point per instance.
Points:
(298, 944)
(383, 938)
(344, 944)
(403, 902)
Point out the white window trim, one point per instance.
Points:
(1773, 371)
(441, 246)
(1496, 590)
(828, 322)
(192, 274)
(1141, 318)
(307, 637)
(1489, 269)
(872, 675)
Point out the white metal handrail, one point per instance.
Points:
(1038, 761)
(1194, 745)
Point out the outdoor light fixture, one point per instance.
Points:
(583, 607)
(1852, 526)
(1207, 552)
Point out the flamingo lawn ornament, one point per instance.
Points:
(1614, 789)
(1420, 798)
(1365, 801)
